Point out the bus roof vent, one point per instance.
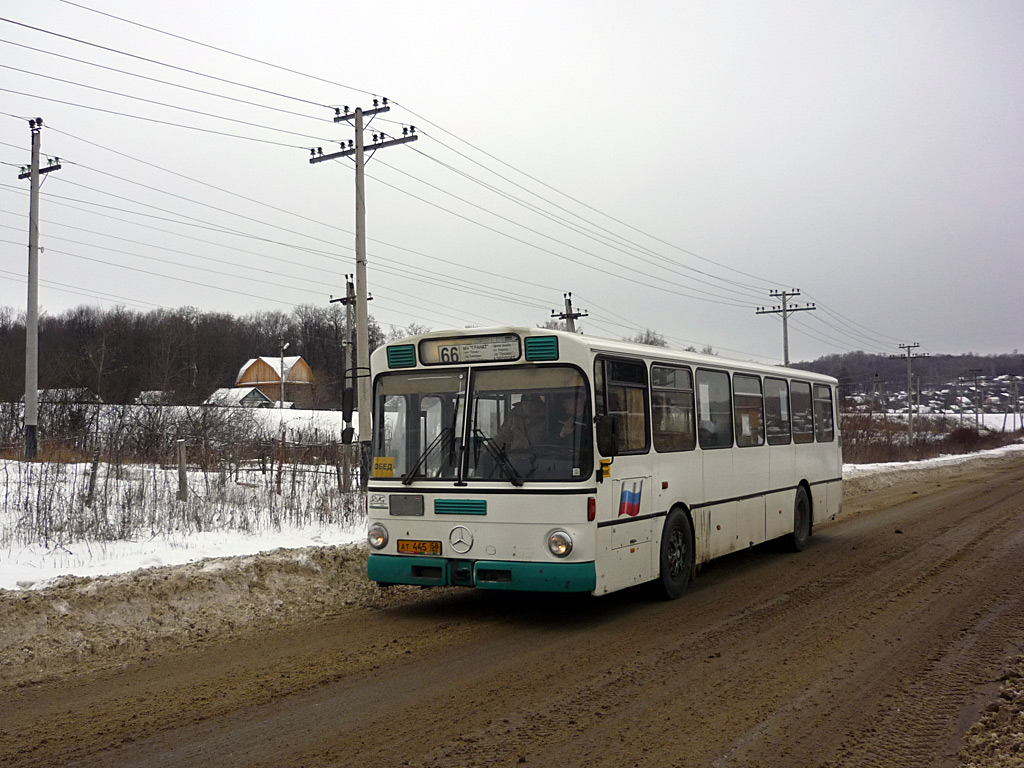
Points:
(402, 356)
(541, 347)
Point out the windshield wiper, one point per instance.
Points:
(444, 437)
(500, 457)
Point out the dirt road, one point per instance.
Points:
(880, 645)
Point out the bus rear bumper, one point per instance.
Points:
(482, 574)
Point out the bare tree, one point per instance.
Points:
(653, 338)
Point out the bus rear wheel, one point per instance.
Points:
(676, 555)
(797, 540)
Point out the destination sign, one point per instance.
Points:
(470, 349)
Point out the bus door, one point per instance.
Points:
(626, 530)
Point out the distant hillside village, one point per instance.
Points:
(940, 383)
(1001, 394)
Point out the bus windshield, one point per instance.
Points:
(525, 423)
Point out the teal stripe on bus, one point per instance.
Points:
(460, 507)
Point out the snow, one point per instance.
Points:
(863, 470)
(32, 567)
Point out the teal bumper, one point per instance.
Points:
(482, 574)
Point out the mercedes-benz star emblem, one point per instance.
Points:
(460, 539)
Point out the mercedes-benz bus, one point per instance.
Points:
(530, 459)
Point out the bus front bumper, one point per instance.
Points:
(482, 574)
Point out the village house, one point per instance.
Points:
(240, 397)
(266, 375)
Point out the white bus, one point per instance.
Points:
(529, 459)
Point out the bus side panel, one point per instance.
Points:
(751, 477)
(779, 509)
(779, 513)
(730, 528)
(624, 554)
(835, 499)
(702, 535)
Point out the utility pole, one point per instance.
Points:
(910, 390)
(349, 302)
(569, 316)
(284, 346)
(33, 173)
(977, 398)
(380, 141)
(785, 310)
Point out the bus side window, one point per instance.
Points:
(714, 409)
(776, 411)
(803, 418)
(749, 404)
(622, 395)
(672, 409)
(824, 431)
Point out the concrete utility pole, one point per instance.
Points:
(348, 301)
(33, 173)
(910, 390)
(569, 316)
(380, 141)
(785, 310)
(284, 346)
(977, 398)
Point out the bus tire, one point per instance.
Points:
(676, 555)
(797, 540)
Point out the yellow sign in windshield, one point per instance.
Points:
(384, 466)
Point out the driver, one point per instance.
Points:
(526, 425)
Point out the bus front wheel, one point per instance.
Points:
(797, 540)
(676, 555)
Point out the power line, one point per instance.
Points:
(161, 63)
(140, 76)
(219, 50)
(613, 241)
(153, 119)
(617, 276)
(579, 202)
(162, 104)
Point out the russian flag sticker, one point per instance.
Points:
(629, 500)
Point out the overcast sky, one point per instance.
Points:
(669, 163)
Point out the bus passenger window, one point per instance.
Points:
(672, 409)
(623, 396)
(749, 406)
(714, 409)
(776, 411)
(824, 431)
(803, 419)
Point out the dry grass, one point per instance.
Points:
(876, 438)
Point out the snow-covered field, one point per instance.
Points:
(32, 566)
(48, 529)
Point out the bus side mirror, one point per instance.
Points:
(608, 435)
(346, 435)
(347, 403)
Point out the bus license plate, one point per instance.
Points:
(410, 547)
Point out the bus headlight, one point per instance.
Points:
(377, 536)
(560, 543)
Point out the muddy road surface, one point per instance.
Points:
(879, 645)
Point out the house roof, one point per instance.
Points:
(274, 363)
(235, 396)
